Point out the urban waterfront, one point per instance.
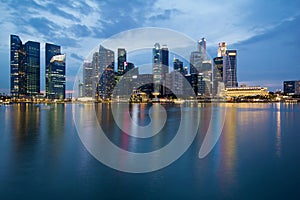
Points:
(256, 156)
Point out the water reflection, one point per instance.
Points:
(278, 129)
(225, 152)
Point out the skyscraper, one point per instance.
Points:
(177, 78)
(217, 75)
(106, 58)
(55, 72)
(202, 48)
(178, 66)
(32, 50)
(50, 51)
(25, 67)
(195, 62)
(157, 68)
(15, 45)
(94, 74)
(106, 73)
(165, 68)
(121, 61)
(291, 87)
(230, 68)
(87, 79)
(57, 77)
(222, 49)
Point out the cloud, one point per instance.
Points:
(79, 26)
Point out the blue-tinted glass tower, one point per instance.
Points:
(55, 72)
(32, 50)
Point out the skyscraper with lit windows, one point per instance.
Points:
(55, 72)
(16, 65)
(230, 68)
(121, 61)
(32, 63)
(25, 68)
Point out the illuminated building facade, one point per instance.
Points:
(291, 87)
(195, 62)
(246, 91)
(56, 78)
(88, 79)
(202, 48)
(222, 49)
(51, 50)
(106, 82)
(121, 61)
(157, 68)
(24, 68)
(230, 69)
(32, 63)
(218, 84)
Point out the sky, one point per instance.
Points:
(265, 34)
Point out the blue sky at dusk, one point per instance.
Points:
(266, 34)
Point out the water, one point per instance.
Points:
(256, 157)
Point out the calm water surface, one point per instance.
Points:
(256, 157)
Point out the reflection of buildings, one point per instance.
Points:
(25, 67)
(291, 87)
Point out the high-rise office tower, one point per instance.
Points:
(165, 68)
(291, 87)
(160, 68)
(50, 51)
(192, 80)
(177, 78)
(16, 64)
(157, 68)
(230, 68)
(25, 67)
(106, 73)
(106, 58)
(222, 49)
(32, 50)
(121, 61)
(57, 77)
(55, 72)
(217, 75)
(95, 74)
(195, 62)
(178, 66)
(107, 83)
(202, 48)
(88, 74)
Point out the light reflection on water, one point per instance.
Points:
(257, 152)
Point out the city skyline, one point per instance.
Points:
(265, 39)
